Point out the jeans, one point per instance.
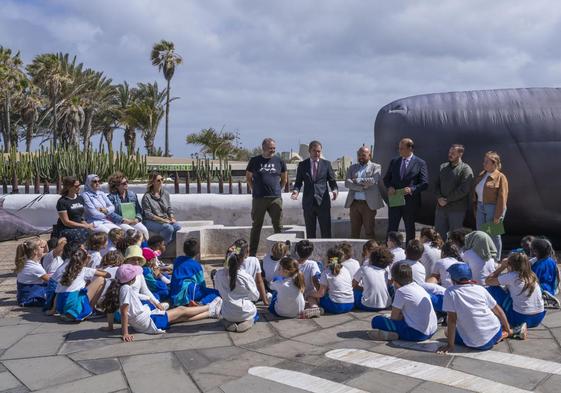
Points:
(446, 220)
(167, 231)
(485, 214)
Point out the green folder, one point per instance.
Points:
(128, 210)
(397, 199)
(493, 229)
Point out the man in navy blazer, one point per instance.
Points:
(316, 174)
(410, 173)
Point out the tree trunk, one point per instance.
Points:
(149, 142)
(87, 133)
(166, 152)
(108, 135)
(55, 122)
(7, 134)
(29, 135)
(130, 139)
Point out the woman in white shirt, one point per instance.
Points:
(521, 299)
(238, 292)
(335, 285)
(31, 277)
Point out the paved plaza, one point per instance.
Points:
(328, 354)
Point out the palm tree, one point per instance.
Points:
(217, 144)
(97, 94)
(147, 112)
(12, 83)
(49, 71)
(123, 100)
(73, 118)
(30, 103)
(165, 58)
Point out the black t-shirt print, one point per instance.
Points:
(266, 176)
(73, 207)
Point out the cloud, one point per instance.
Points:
(298, 70)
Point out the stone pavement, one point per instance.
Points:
(39, 353)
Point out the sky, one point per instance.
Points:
(297, 70)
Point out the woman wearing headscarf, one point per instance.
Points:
(159, 217)
(98, 208)
(480, 253)
(120, 194)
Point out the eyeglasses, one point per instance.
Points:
(95, 181)
(77, 185)
(125, 182)
(159, 180)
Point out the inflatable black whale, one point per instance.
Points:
(522, 125)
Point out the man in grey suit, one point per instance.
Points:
(364, 196)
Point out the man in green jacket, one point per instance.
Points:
(453, 187)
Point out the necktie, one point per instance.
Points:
(315, 170)
(402, 169)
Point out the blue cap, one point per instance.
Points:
(460, 272)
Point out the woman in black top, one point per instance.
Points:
(70, 208)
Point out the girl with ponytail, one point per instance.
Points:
(336, 285)
(238, 290)
(31, 276)
(521, 299)
(288, 298)
(75, 298)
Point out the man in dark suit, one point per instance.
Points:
(410, 173)
(315, 174)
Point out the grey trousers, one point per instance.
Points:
(446, 220)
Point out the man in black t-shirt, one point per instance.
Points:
(266, 176)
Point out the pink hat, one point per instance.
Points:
(148, 254)
(127, 272)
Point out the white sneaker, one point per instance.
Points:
(214, 308)
(550, 300)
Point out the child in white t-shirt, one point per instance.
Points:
(96, 243)
(288, 299)
(521, 299)
(474, 318)
(480, 254)
(335, 292)
(310, 270)
(413, 252)
(372, 281)
(480, 267)
(31, 276)
(79, 288)
(53, 259)
(450, 256)
(395, 243)
(349, 263)
(413, 317)
(252, 266)
(238, 292)
(432, 243)
(271, 261)
(142, 317)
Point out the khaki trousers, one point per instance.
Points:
(362, 216)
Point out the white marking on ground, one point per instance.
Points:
(507, 359)
(301, 381)
(422, 371)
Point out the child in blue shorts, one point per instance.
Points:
(188, 285)
(144, 319)
(413, 317)
(521, 298)
(475, 320)
(335, 285)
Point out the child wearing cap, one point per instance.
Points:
(144, 319)
(157, 282)
(133, 256)
(474, 318)
(521, 299)
(188, 285)
(413, 317)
